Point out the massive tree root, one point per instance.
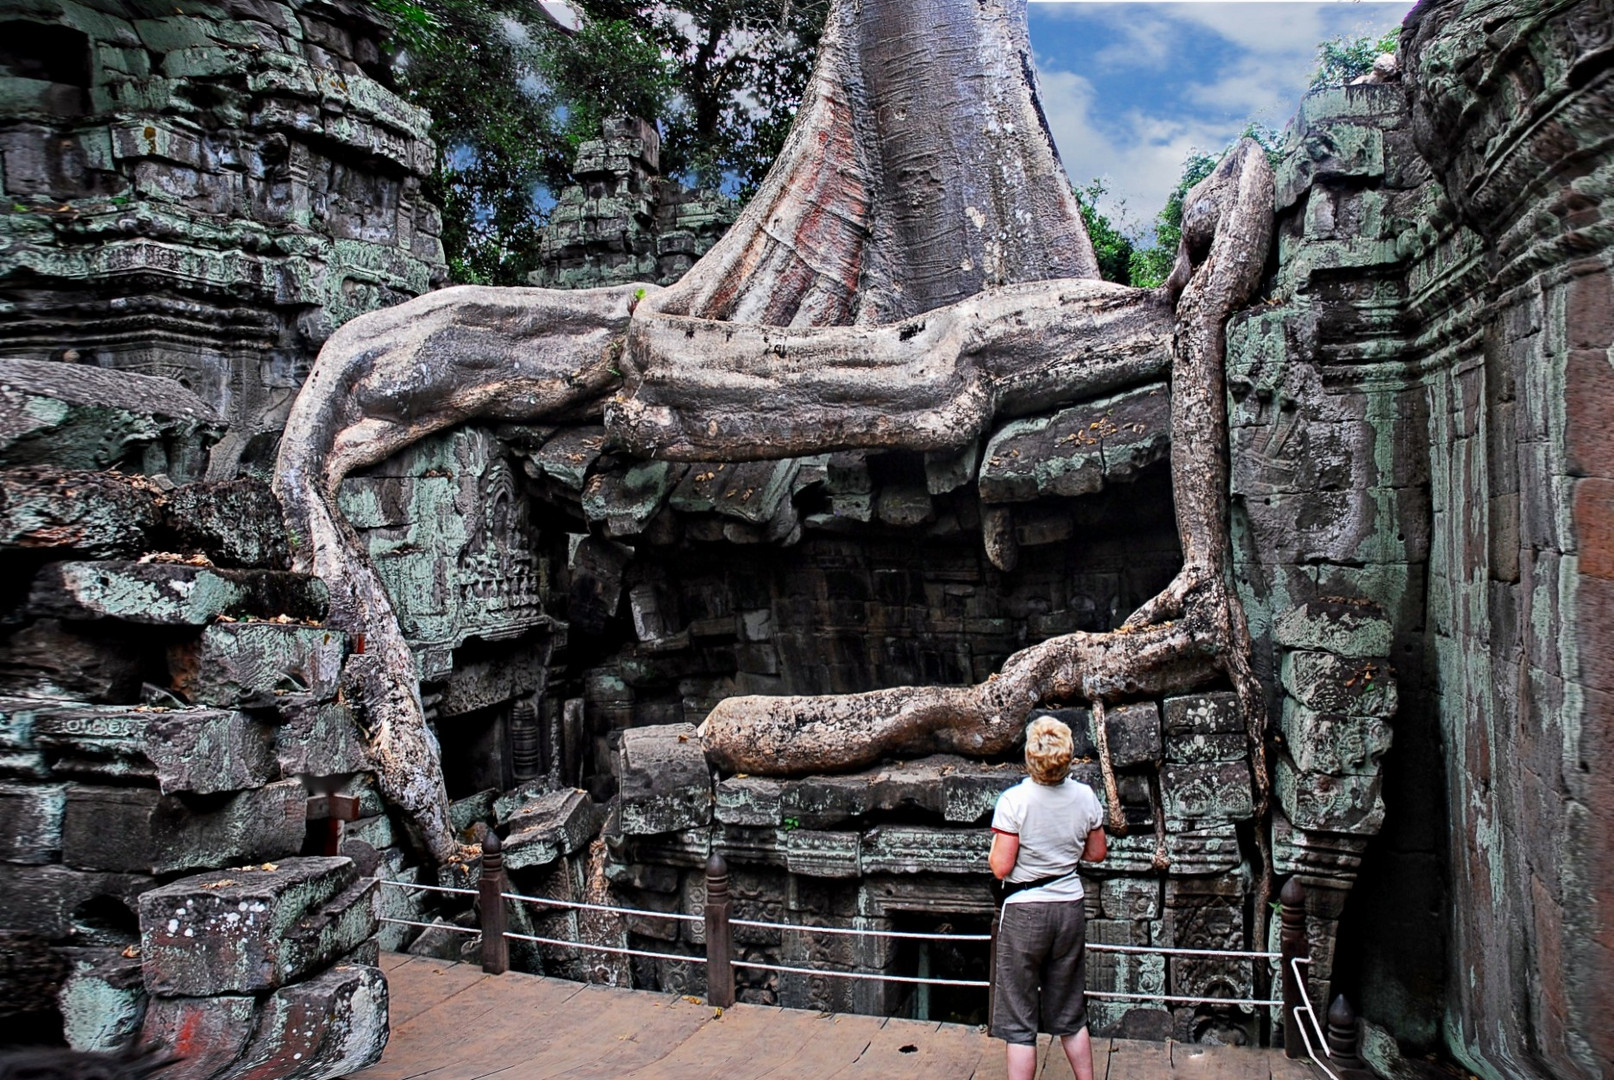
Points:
(912, 269)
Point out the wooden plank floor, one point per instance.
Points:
(451, 1022)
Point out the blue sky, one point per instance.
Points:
(1131, 88)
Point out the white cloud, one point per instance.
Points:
(1140, 165)
(1262, 54)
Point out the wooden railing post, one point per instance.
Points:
(719, 935)
(333, 810)
(1292, 944)
(491, 888)
(1344, 1036)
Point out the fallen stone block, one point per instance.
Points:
(76, 661)
(203, 751)
(103, 999)
(258, 665)
(253, 928)
(319, 739)
(472, 810)
(505, 805)
(332, 1025)
(31, 822)
(442, 940)
(1076, 451)
(1206, 794)
(206, 1034)
(554, 824)
(100, 515)
(1340, 625)
(53, 901)
(1328, 742)
(234, 522)
(79, 416)
(138, 830)
(903, 849)
(172, 593)
(31, 974)
(1341, 804)
(664, 782)
(1327, 682)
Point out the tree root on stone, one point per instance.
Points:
(823, 320)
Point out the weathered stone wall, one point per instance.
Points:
(1428, 402)
(1511, 105)
(205, 191)
(171, 703)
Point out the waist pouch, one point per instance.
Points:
(1002, 888)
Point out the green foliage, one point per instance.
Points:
(478, 67)
(1152, 265)
(1341, 59)
(737, 70)
(1112, 246)
(609, 67)
(512, 96)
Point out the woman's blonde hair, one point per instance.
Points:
(1049, 748)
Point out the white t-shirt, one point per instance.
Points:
(1052, 823)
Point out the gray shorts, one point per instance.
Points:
(1039, 977)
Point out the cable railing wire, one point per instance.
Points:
(430, 925)
(865, 975)
(490, 888)
(604, 948)
(676, 916)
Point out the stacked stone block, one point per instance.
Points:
(205, 192)
(904, 845)
(622, 221)
(170, 701)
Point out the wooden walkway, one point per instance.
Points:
(452, 1022)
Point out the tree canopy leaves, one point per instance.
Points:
(1341, 59)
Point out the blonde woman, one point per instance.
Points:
(1041, 829)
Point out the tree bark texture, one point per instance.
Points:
(912, 270)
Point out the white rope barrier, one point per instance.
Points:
(867, 975)
(1165, 950)
(425, 888)
(855, 931)
(429, 925)
(676, 916)
(1177, 999)
(605, 948)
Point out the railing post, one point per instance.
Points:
(1344, 1035)
(719, 935)
(1292, 944)
(333, 810)
(491, 888)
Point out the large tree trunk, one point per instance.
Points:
(913, 268)
(919, 171)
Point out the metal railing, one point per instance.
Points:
(1300, 1021)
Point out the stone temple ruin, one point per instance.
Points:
(1422, 482)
